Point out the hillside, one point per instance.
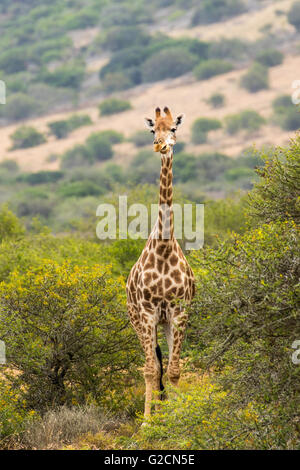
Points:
(148, 56)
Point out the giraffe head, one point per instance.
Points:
(164, 130)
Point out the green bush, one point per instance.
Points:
(184, 167)
(275, 196)
(144, 168)
(114, 137)
(127, 36)
(113, 106)
(69, 75)
(294, 15)
(256, 79)
(41, 177)
(212, 11)
(168, 63)
(270, 57)
(216, 100)
(212, 67)
(70, 339)
(212, 166)
(81, 188)
(20, 106)
(99, 147)
(10, 226)
(14, 60)
(230, 48)
(76, 156)
(286, 114)
(201, 127)
(25, 137)
(63, 127)
(248, 119)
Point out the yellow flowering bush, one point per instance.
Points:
(67, 334)
(13, 414)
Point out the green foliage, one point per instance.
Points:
(256, 79)
(25, 137)
(212, 11)
(69, 75)
(114, 137)
(286, 114)
(81, 188)
(144, 168)
(20, 106)
(99, 147)
(212, 67)
(184, 167)
(70, 338)
(13, 416)
(294, 15)
(201, 127)
(10, 226)
(230, 48)
(168, 63)
(118, 38)
(247, 330)
(41, 177)
(248, 119)
(113, 106)
(63, 127)
(216, 100)
(14, 60)
(276, 195)
(270, 57)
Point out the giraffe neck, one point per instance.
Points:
(165, 214)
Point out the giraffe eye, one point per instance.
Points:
(173, 129)
(152, 131)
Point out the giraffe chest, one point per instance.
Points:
(160, 276)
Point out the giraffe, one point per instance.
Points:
(161, 283)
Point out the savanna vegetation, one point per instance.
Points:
(71, 352)
(73, 377)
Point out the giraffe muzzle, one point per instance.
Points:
(160, 147)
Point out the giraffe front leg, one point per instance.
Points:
(151, 370)
(176, 336)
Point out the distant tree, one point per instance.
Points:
(294, 15)
(168, 63)
(113, 106)
(201, 127)
(212, 67)
(216, 100)
(20, 106)
(98, 147)
(212, 11)
(256, 79)
(10, 225)
(270, 57)
(248, 119)
(25, 137)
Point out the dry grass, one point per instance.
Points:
(59, 428)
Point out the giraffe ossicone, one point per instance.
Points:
(161, 283)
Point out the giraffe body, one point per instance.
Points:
(161, 283)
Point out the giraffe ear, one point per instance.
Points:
(149, 123)
(179, 120)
